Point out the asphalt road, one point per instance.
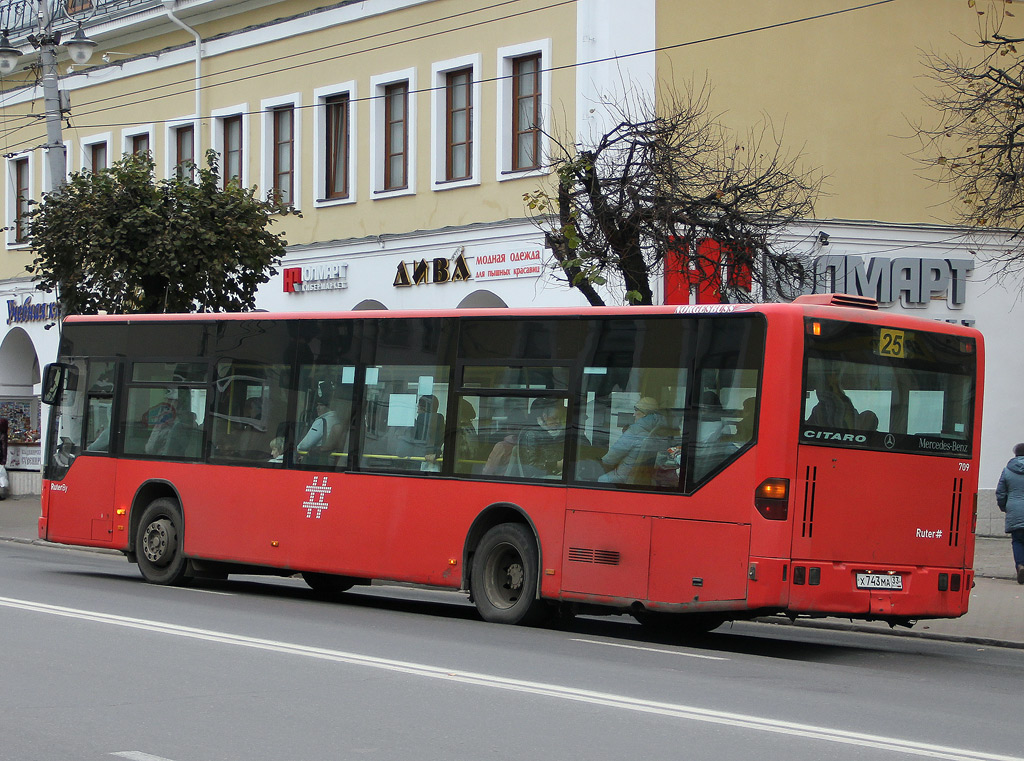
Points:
(95, 664)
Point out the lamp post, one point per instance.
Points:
(46, 41)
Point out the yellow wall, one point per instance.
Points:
(377, 45)
(845, 88)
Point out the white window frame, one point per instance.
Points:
(85, 150)
(320, 96)
(218, 115)
(504, 110)
(12, 195)
(438, 117)
(267, 147)
(171, 143)
(128, 134)
(377, 85)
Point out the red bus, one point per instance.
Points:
(687, 465)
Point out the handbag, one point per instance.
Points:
(4, 481)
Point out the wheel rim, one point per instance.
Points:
(158, 542)
(505, 576)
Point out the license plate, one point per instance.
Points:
(879, 581)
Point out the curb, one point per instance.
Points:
(56, 546)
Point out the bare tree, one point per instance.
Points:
(976, 143)
(644, 196)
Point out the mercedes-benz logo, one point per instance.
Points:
(890, 441)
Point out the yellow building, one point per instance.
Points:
(408, 131)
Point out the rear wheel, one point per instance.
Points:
(158, 543)
(504, 576)
(327, 584)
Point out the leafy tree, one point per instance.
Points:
(975, 144)
(647, 193)
(121, 242)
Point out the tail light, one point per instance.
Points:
(771, 498)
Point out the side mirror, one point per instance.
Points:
(57, 378)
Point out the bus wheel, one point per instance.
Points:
(504, 576)
(158, 543)
(327, 584)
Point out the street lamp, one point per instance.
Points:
(80, 49)
(9, 54)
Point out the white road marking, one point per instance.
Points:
(562, 692)
(138, 755)
(650, 649)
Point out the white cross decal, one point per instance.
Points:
(317, 492)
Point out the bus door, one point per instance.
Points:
(78, 504)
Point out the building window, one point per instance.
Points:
(97, 157)
(21, 205)
(184, 152)
(459, 124)
(526, 103)
(338, 136)
(396, 136)
(232, 168)
(140, 144)
(283, 152)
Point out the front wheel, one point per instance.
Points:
(158, 543)
(504, 576)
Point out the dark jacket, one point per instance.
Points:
(1010, 494)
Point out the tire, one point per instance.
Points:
(504, 576)
(679, 624)
(158, 543)
(327, 584)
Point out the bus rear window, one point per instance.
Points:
(887, 389)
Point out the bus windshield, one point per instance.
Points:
(873, 387)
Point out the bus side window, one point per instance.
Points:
(403, 420)
(325, 416)
(632, 436)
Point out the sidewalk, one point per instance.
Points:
(995, 616)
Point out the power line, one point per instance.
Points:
(563, 67)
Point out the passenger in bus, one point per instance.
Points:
(540, 448)
(834, 408)
(631, 459)
(467, 438)
(867, 421)
(175, 431)
(311, 445)
(426, 439)
(277, 449)
(745, 425)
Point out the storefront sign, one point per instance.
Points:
(26, 311)
(916, 280)
(316, 277)
(24, 458)
(438, 270)
(501, 266)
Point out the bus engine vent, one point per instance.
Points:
(837, 300)
(954, 512)
(588, 555)
(809, 486)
